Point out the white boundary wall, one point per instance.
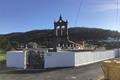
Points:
(58, 59)
(83, 58)
(16, 59)
(68, 59)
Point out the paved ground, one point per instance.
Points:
(89, 72)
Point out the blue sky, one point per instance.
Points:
(25, 15)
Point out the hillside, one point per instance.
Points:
(43, 36)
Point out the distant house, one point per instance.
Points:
(110, 40)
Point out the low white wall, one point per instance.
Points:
(83, 58)
(16, 59)
(58, 59)
(68, 59)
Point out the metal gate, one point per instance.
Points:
(35, 59)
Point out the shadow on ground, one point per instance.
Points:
(5, 70)
(2, 65)
(29, 71)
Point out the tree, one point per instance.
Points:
(5, 44)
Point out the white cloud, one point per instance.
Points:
(107, 6)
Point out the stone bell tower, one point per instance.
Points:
(61, 27)
(61, 36)
(61, 31)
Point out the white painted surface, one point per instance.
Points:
(16, 59)
(68, 59)
(58, 59)
(83, 58)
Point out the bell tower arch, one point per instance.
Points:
(61, 32)
(61, 28)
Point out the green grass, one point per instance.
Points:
(2, 57)
(2, 61)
